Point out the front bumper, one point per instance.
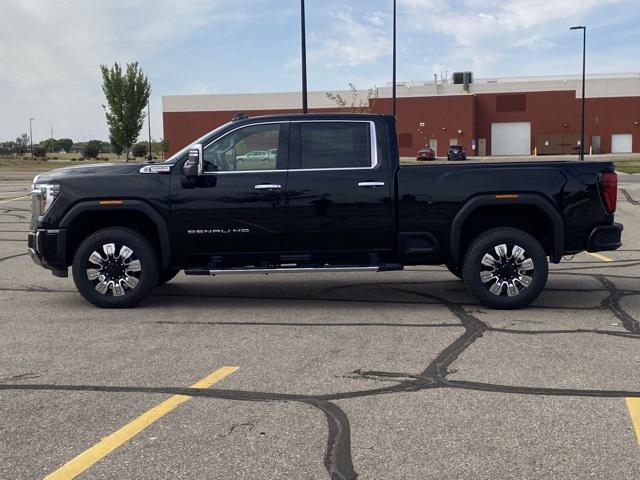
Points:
(48, 248)
(606, 237)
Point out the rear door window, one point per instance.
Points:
(331, 145)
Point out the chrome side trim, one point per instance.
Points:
(161, 168)
(264, 271)
(240, 128)
(370, 184)
(373, 145)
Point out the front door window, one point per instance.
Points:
(251, 148)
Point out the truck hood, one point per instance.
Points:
(95, 170)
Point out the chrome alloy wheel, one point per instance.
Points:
(510, 270)
(116, 272)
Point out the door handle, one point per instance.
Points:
(267, 186)
(370, 184)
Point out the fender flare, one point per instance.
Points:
(127, 205)
(522, 200)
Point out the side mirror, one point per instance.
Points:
(193, 166)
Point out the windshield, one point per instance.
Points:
(173, 158)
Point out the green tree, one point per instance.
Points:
(21, 144)
(65, 144)
(356, 104)
(50, 145)
(139, 150)
(40, 152)
(116, 147)
(99, 144)
(90, 150)
(127, 95)
(160, 147)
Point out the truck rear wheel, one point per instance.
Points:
(505, 268)
(115, 268)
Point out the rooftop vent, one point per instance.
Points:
(463, 78)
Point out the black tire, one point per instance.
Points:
(110, 270)
(166, 276)
(456, 271)
(507, 275)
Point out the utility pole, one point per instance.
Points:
(51, 138)
(584, 71)
(393, 88)
(31, 135)
(305, 105)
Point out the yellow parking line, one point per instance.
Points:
(7, 200)
(633, 404)
(100, 450)
(599, 256)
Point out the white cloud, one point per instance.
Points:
(51, 52)
(350, 41)
(484, 30)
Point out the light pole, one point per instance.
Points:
(393, 87)
(150, 156)
(31, 135)
(305, 105)
(584, 69)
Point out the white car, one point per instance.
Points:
(256, 155)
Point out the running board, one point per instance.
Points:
(266, 271)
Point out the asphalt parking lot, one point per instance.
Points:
(398, 375)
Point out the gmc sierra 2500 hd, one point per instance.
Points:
(317, 193)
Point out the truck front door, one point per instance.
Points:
(339, 194)
(237, 205)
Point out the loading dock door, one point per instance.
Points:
(512, 138)
(621, 143)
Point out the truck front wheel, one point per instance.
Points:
(115, 268)
(505, 268)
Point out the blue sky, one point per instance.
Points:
(50, 52)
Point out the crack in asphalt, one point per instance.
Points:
(629, 198)
(14, 256)
(338, 459)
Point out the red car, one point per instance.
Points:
(426, 153)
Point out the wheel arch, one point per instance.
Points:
(87, 217)
(520, 202)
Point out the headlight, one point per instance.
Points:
(43, 196)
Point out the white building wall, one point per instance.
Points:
(614, 85)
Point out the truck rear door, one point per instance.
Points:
(339, 196)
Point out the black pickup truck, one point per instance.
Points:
(317, 193)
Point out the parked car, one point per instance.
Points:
(258, 155)
(426, 153)
(456, 152)
(336, 200)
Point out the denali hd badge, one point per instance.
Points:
(217, 231)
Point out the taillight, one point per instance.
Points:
(609, 190)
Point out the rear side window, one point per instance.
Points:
(335, 145)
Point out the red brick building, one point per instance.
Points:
(519, 116)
